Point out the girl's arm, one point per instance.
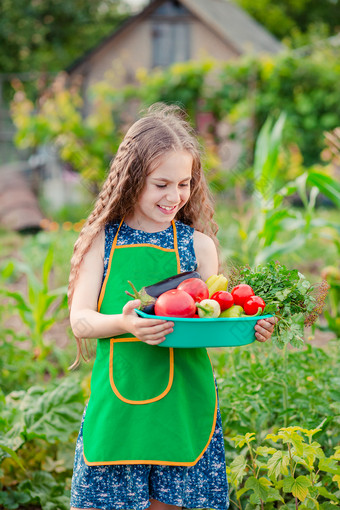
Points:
(206, 255)
(87, 322)
(207, 265)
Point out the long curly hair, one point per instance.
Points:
(162, 129)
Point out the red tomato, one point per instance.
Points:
(253, 304)
(241, 293)
(197, 288)
(224, 299)
(175, 303)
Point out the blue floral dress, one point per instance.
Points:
(124, 487)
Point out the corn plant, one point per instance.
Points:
(292, 472)
(268, 213)
(38, 311)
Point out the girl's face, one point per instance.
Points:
(166, 191)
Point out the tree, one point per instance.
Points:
(47, 35)
(283, 16)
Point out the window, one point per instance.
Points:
(170, 34)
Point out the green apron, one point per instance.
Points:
(148, 405)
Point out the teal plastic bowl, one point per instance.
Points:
(224, 332)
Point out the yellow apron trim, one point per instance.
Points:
(150, 400)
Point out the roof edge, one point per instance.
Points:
(130, 21)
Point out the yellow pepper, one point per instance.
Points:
(216, 282)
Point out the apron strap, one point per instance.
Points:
(176, 246)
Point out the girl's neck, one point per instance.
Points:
(136, 224)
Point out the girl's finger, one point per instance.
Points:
(155, 323)
(266, 324)
(260, 338)
(153, 335)
(155, 342)
(130, 305)
(264, 331)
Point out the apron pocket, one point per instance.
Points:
(140, 373)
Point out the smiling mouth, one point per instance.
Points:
(167, 208)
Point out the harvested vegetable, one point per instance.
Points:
(224, 299)
(241, 293)
(233, 311)
(148, 295)
(196, 288)
(208, 309)
(253, 305)
(175, 303)
(216, 282)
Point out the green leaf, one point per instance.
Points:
(55, 414)
(276, 249)
(326, 494)
(19, 298)
(241, 492)
(297, 486)
(265, 451)
(238, 469)
(328, 186)
(330, 466)
(242, 440)
(274, 495)
(266, 156)
(327, 506)
(45, 490)
(47, 267)
(278, 463)
(259, 486)
(13, 455)
(10, 499)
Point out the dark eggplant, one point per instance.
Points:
(148, 295)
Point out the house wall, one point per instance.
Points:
(205, 43)
(119, 59)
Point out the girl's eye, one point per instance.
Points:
(160, 185)
(185, 184)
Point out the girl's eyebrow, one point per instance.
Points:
(164, 179)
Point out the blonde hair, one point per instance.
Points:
(162, 129)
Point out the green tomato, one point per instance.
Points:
(233, 311)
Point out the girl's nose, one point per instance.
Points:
(173, 195)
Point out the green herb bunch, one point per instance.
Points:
(288, 295)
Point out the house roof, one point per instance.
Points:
(235, 25)
(229, 21)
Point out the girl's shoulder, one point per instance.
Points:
(203, 242)
(206, 254)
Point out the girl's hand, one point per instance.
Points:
(150, 331)
(264, 328)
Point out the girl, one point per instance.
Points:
(151, 434)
